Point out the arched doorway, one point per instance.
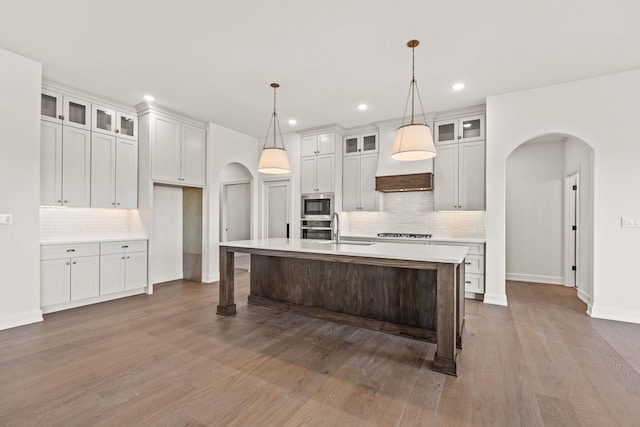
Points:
(236, 207)
(549, 213)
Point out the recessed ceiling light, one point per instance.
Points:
(362, 107)
(149, 98)
(292, 122)
(457, 86)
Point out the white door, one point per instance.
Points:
(571, 233)
(277, 197)
(165, 150)
(76, 167)
(236, 207)
(136, 270)
(167, 263)
(103, 168)
(193, 155)
(350, 183)
(446, 178)
(77, 113)
(50, 164)
(325, 173)
(112, 273)
(308, 174)
(126, 174)
(85, 277)
(471, 176)
(369, 197)
(55, 279)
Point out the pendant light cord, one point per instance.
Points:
(274, 122)
(413, 88)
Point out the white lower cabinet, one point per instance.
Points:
(69, 273)
(79, 274)
(123, 266)
(474, 265)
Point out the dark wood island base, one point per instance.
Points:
(416, 299)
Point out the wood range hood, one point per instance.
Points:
(408, 182)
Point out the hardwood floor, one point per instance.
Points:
(168, 359)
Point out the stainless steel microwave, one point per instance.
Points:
(317, 206)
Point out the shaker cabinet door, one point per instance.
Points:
(166, 150)
(193, 155)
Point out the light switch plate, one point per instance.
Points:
(627, 222)
(6, 219)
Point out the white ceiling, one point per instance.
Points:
(214, 60)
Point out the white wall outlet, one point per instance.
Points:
(6, 219)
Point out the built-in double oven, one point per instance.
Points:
(317, 210)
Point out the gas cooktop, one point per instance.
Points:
(406, 235)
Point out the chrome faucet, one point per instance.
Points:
(336, 222)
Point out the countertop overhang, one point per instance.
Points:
(394, 251)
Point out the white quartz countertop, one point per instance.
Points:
(427, 253)
(409, 239)
(77, 240)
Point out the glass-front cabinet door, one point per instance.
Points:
(471, 128)
(103, 119)
(77, 113)
(370, 143)
(127, 125)
(51, 106)
(351, 145)
(446, 132)
(362, 143)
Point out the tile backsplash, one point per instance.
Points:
(412, 212)
(83, 223)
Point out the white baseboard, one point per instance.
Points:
(548, 280)
(584, 297)
(495, 299)
(211, 278)
(20, 319)
(619, 314)
(93, 300)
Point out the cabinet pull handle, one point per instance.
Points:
(74, 262)
(66, 201)
(125, 246)
(122, 257)
(467, 263)
(61, 117)
(113, 203)
(467, 281)
(71, 250)
(118, 204)
(59, 201)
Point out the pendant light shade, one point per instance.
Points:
(413, 141)
(273, 159)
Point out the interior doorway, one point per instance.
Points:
(236, 208)
(277, 209)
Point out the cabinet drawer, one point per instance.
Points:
(69, 251)
(474, 264)
(474, 283)
(123, 247)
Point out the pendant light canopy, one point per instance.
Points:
(413, 141)
(273, 160)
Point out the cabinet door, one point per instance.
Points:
(77, 113)
(308, 145)
(55, 280)
(193, 155)
(50, 164)
(103, 169)
(326, 143)
(369, 198)
(471, 128)
(112, 273)
(308, 174)
(76, 170)
(136, 270)
(127, 125)
(350, 183)
(85, 277)
(103, 119)
(126, 174)
(446, 178)
(472, 171)
(51, 106)
(351, 146)
(446, 132)
(370, 143)
(165, 150)
(325, 173)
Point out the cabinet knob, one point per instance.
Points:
(59, 201)
(113, 203)
(118, 204)
(128, 257)
(74, 262)
(66, 201)
(68, 263)
(122, 257)
(61, 117)
(117, 130)
(467, 281)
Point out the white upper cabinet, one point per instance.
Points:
(178, 151)
(317, 163)
(50, 164)
(114, 172)
(110, 121)
(463, 129)
(67, 110)
(360, 144)
(459, 182)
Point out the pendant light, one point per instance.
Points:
(413, 141)
(274, 160)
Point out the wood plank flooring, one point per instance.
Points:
(169, 360)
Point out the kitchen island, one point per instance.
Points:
(413, 291)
